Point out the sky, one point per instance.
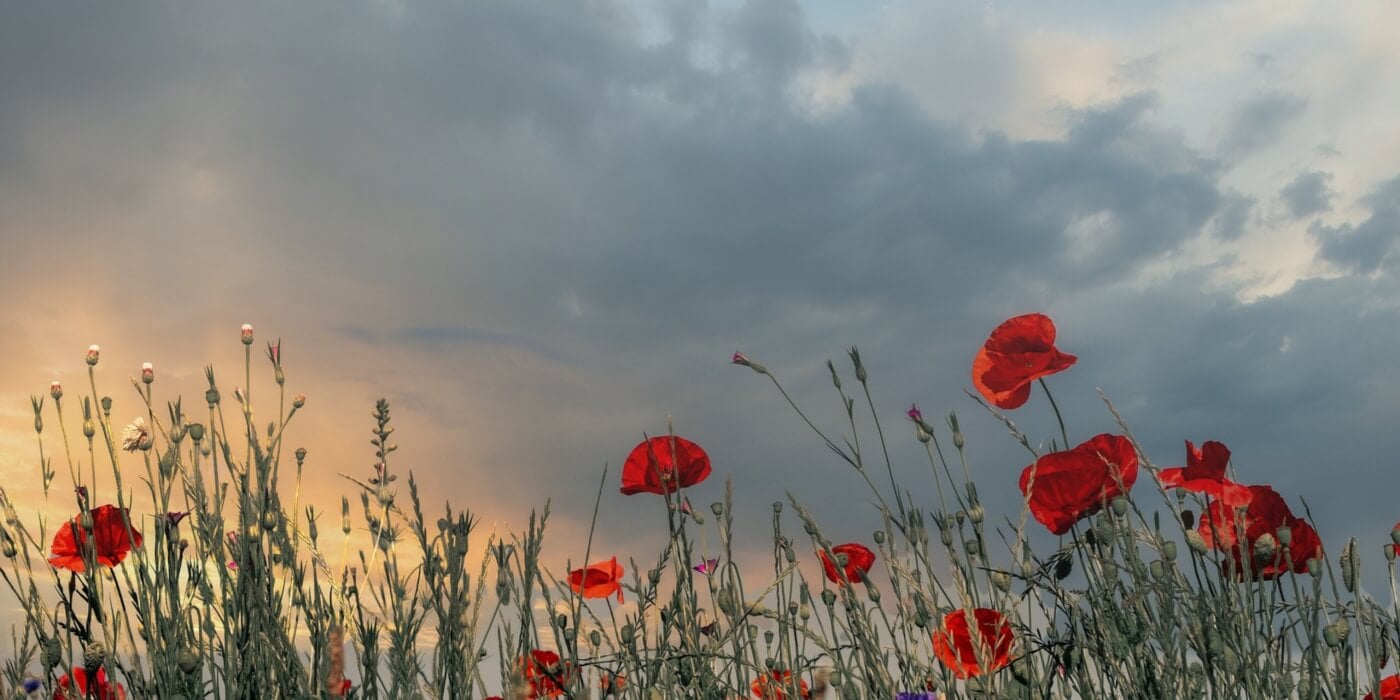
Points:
(540, 229)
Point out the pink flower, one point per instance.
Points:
(740, 359)
(56, 391)
(707, 566)
(247, 334)
(914, 413)
(148, 373)
(92, 354)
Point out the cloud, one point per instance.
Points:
(1259, 121)
(1367, 246)
(1307, 194)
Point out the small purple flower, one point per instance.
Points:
(740, 359)
(707, 567)
(915, 414)
(916, 695)
(32, 685)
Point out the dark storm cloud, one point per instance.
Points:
(1307, 194)
(553, 227)
(1259, 121)
(1366, 246)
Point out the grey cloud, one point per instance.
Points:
(1307, 194)
(1366, 246)
(1233, 216)
(1259, 121)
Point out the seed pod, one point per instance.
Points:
(1119, 506)
(1169, 551)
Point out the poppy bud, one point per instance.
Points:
(196, 431)
(1285, 535)
(835, 679)
(92, 355)
(1389, 552)
(1395, 535)
(972, 547)
(1315, 567)
(1264, 548)
(94, 655)
(299, 400)
(106, 404)
(595, 638)
(1001, 580)
(1351, 565)
(148, 373)
(53, 652)
(626, 634)
(187, 660)
(301, 455)
(8, 546)
(717, 508)
(1169, 551)
(1196, 542)
(1336, 633)
(879, 537)
(561, 621)
(246, 334)
(56, 391)
(1119, 504)
(211, 396)
(1157, 569)
(804, 611)
(829, 597)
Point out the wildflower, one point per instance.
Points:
(1389, 689)
(92, 354)
(102, 690)
(109, 533)
(914, 413)
(544, 673)
(56, 391)
(598, 580)
(660, 465)
(246, 334)
(1019, 351)
(775, 685)
(707, 566)
(1205, 473)
(1074, 483)
(148, 372)
(742, 360)
(965, 657)
(136, 436)
(854, 559)
(1266, 513)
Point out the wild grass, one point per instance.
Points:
(230, 593)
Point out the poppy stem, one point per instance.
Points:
(1058, 417)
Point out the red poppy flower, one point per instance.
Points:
(1020, 351)
(1074, 483)
(954, 646)
(544, 674)
(1205, 473)
(1266, 513)
(855, 561)
(1390, 689)
(109, 530)
(598, 580)
(663, 464)
(610, 683)
(776, 685)
(103, 691)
